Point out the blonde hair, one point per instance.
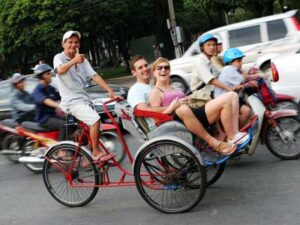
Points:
(158, 61)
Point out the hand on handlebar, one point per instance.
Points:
(112, 95)
(238, 87)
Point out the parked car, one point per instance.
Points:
(97, 94)
(258, 38)
(287, 68)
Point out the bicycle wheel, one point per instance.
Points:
(12, 142)
(112, 142)
(71, 188)
(214, 172)
(284, 140)
(169, 177)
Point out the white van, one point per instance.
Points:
(261, 38)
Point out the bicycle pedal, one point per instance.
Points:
(103, 169)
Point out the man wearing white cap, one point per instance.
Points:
(72, 72)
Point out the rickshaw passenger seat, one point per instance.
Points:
(135, 125)
(143, 124)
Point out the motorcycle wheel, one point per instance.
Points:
(29, 146)
(284, 142)
(12, 142)
(286, 105)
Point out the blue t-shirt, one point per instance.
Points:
(40, 93)
(229, 76)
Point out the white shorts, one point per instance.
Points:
(83, 112)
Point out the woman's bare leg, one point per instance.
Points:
(226, 109)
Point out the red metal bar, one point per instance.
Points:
(162, 117)
(125, 147)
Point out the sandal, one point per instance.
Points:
(224, 148)
(105, 158)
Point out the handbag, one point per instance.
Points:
(200, 97)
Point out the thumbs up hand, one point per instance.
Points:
(79, 58)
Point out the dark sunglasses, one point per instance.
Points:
(167, 67)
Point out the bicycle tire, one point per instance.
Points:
(63, 192)
(214, 172)
(171, 181)
(290, 128)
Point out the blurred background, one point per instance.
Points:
(114, 30)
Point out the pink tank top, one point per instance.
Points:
(170, 95)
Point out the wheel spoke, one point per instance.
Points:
(84, 179)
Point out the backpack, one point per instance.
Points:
(266, 93)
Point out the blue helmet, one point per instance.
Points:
(232, 54)
(207, 37)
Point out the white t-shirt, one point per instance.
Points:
(138, 93)
(230, 76)
(71, 84)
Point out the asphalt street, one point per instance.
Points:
(255, 190)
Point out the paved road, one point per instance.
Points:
(253, 191)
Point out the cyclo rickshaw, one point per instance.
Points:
(169, 168)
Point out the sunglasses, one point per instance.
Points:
(166, 67)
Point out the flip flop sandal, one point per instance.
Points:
(103, 160)
(224, 148)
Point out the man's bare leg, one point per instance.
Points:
(194, 125)
(94, 133)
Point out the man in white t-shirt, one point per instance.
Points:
(72, 72)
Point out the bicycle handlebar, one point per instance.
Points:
(104, 105)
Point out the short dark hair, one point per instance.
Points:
(134, 60)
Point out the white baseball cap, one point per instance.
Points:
(69, 33)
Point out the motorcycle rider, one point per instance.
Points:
(21, 101)
(46, 98)
(203, 80)
(216, 60)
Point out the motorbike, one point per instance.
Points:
(10, 140)
(282, 101)
(278, 129)
(33, 142)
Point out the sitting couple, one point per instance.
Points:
(162, 98)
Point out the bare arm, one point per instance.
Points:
(64, 68)
(156, 102)
(146, 107)
(219, 84)
(49, 102)
(101, 83)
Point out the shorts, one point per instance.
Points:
(201, 115)
(83, 111)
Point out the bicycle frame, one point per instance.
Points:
(106, 181)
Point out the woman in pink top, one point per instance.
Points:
(224, 108)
